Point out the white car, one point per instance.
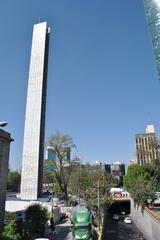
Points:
(115, 217)
(41, 239)
(123, 213)
(127, 220)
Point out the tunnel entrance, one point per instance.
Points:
(120, 207)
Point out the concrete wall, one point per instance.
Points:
(149, 226)
(5, 140)
(19, 207)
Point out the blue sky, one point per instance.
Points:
(102, 82)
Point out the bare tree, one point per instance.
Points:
(62, 145)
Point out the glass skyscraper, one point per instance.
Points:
(152, 8)
(33, 146)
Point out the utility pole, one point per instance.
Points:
(98, 204)
(79, 181)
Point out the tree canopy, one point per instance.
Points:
(100, 184)
(10, 232)
(36, 217)
(13, 180)
(139, 183)
(62, 145)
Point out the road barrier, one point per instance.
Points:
(153, 214)
(100, 232)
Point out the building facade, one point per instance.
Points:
(33, 145)
(118, 169)
(5, 139)
(49, 162)
(146, 146)
(50, 154)
(152, 8)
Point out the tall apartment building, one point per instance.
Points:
(152, 8)
(33, 146)
(146, 146)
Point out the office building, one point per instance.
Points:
(146, 146)
(50, 154)
(152, 8)
(107, 168)
(5, 139)
(49, 161)
(33, 146)
(118, 169)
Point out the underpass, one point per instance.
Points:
(118, 229)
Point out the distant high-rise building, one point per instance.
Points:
(107, 168)
(132, 162)
(118, 169)
(49, 162)
(146, 146)
(152, 8)
(33, 146)
(50, 154)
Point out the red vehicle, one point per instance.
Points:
(117, 194)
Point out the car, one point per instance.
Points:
(127, 220)
(115, 217)
(41, 239)
(123, 213)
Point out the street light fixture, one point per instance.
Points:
(3, 124)
(98, 204)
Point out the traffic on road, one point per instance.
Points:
(122, 229)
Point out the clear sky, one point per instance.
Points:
(102, 82)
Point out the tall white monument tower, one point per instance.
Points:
(33, 146)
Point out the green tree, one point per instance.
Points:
(10, 217)
(62, 143)
(142, 190)
(153, 169)
(133, 172)
(36, 217)
(10, 232)
(79, 181)
(140, 184)
(101, 183)
(13, 180)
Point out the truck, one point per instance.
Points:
(82, 224)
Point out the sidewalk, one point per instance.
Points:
(62, 231)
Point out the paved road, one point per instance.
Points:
(118, 230)
(62, 231)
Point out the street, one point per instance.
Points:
(118, 230)
(62, 231)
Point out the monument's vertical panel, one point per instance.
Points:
(152, 8)
(32, 162)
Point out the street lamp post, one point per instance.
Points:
(3, 124)
(98, 204)
(79, 163)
